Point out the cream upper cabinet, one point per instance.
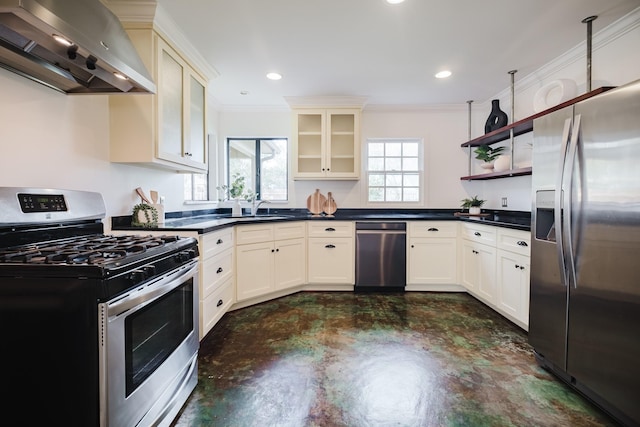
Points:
(167, 129)
(326, 143)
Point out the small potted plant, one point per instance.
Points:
(488, 155)
(473, 204)
(236, 191)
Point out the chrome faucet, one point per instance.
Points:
(256, 206)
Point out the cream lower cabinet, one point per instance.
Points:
(216, 277)
(478, 257)
(432, 253)
(269, 257)
(513, 261)
(331, 252)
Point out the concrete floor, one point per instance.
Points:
(349, 359)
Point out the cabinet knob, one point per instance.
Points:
(433, 229)
(278, 250)
(522, 243)
(477, 233)
(188, 154)
(330, 246)
(412, 246)
(517, 266)
(273, 250)
(219, 242)
(219, 303)
(522, 267)
(219, 270)
(330, 229)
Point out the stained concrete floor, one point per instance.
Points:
(349, 359)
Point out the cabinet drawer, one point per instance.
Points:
(330, 229)
(514, 241)
(213, 307)
(289, 230)
(433, 229)
(254, 233)
(215, 270)
(216, 242)
(479, 233)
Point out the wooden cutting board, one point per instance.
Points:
(315, 202)
(329, 207)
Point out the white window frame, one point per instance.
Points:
(420, 172)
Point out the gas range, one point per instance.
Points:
(116, 316)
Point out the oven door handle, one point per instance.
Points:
(141, 296)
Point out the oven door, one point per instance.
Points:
(148, 350)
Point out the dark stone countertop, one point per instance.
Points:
(206, 221)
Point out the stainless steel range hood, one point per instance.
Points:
(98, 57)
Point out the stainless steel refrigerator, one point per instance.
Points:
(585, 258)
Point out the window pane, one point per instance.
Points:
(376, 149)
(376, 164)
(242, 163)
(273, 177)
(394, 149)
(376, 194)
(410, 149)
(394, 194)
(393, 164)
(376, 180)
(411, 195)
(411, 180)
(393, 180)
(410, 164)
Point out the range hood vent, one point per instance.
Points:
(91, 52)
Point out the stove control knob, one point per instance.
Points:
(138, 276)
(149, 270)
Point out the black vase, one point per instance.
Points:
(497, 118)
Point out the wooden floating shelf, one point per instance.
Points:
(495, 175)
(526, 125)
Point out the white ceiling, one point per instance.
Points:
(386, 53)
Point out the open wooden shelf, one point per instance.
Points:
(518, 128)
(495, 175)
(526, 125)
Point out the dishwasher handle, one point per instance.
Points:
(381, 226)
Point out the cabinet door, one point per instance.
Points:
(432, 261)
(309, 144)
(470, 262)
(343, 144)
(487, 288)
(196, 146)
(171, 72)
(290, 267)
(513, 286)
(331, 261)
(254, 270)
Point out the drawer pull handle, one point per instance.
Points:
(219, 242)
(330, 229)
(433, 229)
(477, 233)
(522, 243)
(219, 270)
(330, 246)
(219, 303)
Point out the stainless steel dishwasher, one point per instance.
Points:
(381, 260)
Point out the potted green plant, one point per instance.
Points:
(473, 204)
(488, 155)
(144, 215)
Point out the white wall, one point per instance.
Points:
(53, 140)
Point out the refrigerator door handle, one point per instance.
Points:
(558, 204)
(568, 198)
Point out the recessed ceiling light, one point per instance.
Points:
(274, 76)
(394, 1)
(443, 74)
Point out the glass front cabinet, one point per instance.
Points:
(326, 143)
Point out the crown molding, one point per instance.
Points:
(326, 101)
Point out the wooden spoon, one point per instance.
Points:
(142, 196)
(154, 196)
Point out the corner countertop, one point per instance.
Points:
(207, 221)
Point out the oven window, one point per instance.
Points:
(154, 332)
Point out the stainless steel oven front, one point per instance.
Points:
(148, 347)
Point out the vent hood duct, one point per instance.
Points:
(99, 56)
